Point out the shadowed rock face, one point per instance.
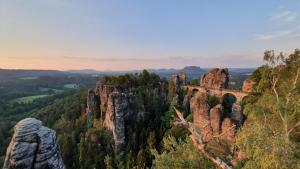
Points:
(215, 115)
(237, 115)
(216, 79)
(93, 109)
(33, 146)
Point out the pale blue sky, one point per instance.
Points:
(137, 34)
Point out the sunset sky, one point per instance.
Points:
(138, 34)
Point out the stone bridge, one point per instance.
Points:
(218, 92)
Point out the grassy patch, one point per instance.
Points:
(56, 91)
(71, 86)
(29, 99)
(29, 78)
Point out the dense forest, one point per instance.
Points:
(27, 93)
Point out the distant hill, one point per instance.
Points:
(7, 74)
(191, 71)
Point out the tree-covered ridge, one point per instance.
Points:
(270, 138)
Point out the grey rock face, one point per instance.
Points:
(33, 146)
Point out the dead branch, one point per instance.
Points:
(293, 87)
(199, 143)
(294, 127)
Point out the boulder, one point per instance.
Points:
(33, 146)
(215, 79)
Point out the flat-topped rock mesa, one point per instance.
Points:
(33, 146)
(215, 79)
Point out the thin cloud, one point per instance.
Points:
(288, 33)
(130, 59)
(284, 16)
(108, 59)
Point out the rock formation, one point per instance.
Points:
(248, 85)
(114, 119)
(176, 82)
(117, 108)
(33, 146)
(221, 120)
(216, 79)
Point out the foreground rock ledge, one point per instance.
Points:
(33, 146)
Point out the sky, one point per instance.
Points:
(142, 34)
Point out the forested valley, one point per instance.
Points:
(268, 136)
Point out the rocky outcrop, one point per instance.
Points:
(114, 119)
(215, 122)
(215, 79)
(33, 146)
(248, 85)
(176, 82)
(222, 120)
(93, 108)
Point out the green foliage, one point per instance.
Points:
(179, 154)
(213, 100)
(266, 148)
(194, 82)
